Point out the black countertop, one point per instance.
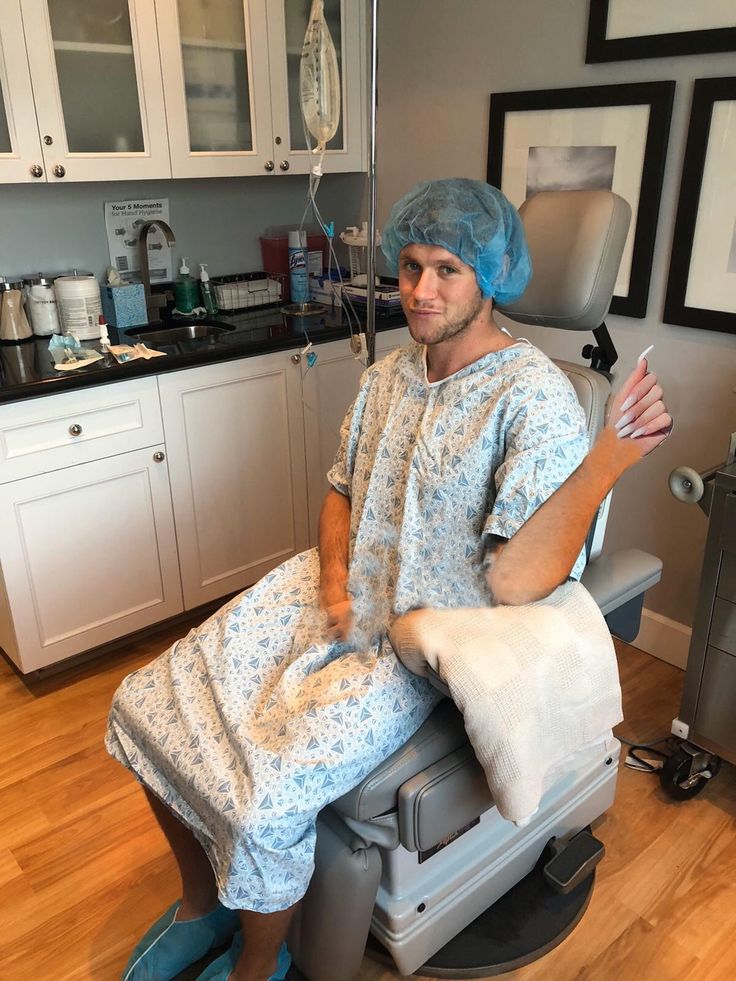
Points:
(27, 369)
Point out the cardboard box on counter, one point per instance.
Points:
(324, 290)
(124, 306)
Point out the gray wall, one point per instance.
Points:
(439, 61)
(53, 227)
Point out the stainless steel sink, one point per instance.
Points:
(160, 334)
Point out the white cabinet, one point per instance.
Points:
(123, 504)
(287, 23)
(87, 552)
(97, 87)
(231, 77)
(82, 89)
(235, 443)
(329, 389)
(21, 158)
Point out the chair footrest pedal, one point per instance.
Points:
(573, 861)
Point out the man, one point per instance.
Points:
(463, 478)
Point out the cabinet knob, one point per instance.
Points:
(48, 140)
(159, 457)
(75, 429)
(37, 170)
(284, 165)
(59, 171)
(296, 358)
(268, 165)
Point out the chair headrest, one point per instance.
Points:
(576, 239)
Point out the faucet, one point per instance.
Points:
(153, 303)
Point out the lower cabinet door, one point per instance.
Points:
(235, 438)
(329, 389)
(88, 555)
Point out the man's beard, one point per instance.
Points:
(461, 322)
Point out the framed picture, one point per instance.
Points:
(623, 29)
(601, 136)
(701, 289)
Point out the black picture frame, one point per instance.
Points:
(659, 97)
(706, 92)
(600, 48)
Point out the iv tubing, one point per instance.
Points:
(370, 327)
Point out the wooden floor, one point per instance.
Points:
(84, 870)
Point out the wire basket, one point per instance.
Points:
(245, 291)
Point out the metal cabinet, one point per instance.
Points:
(709, 694)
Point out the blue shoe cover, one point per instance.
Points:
(221, 969)
(169, 946)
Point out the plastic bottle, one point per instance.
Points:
(186, 295)
(104, 336)
(206, 289)
(298, 277)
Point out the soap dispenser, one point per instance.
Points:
(185, 290)
(205, 287)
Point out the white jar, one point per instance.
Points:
(41, 304)
(80, 306)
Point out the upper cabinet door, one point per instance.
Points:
(287, 24)
(97, 84)
(214, 57)
(20, 149)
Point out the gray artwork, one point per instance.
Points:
(569, 168)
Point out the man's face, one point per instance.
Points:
(439, 293)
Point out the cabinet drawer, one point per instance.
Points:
(58, 431)
(728, 533)
(727, 577)
(723, 626)
(715, 711)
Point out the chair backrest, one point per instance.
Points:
(576, 240)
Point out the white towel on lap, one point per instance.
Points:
(534, 683)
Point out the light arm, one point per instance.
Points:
(541, 554)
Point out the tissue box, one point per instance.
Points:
(124, 306)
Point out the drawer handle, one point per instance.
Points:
(159, 457)
(75, 429)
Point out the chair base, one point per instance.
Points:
(520, 927)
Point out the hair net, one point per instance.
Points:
(471, 219)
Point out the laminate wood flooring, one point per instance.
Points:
(84, 869)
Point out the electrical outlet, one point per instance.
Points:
(731, 450)
(681, 729)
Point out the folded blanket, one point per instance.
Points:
(535, 684)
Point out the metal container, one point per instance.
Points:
(302, 316)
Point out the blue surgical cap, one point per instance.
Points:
(471, 219)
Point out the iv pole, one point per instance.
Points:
(370, 326)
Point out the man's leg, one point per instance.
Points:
(199, 890)
(263, 934)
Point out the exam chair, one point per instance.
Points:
(415, 862)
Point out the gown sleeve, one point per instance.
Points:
(545, 441)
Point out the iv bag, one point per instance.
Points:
(319, 80)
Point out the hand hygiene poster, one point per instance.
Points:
(123, 220)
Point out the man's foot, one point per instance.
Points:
(221, 968)
(171, 945)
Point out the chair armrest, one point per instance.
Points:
(615, 579)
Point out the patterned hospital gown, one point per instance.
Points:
(252, 723)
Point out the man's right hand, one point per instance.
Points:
(339, 618)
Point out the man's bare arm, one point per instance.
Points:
(334, 542)
(541, 554)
